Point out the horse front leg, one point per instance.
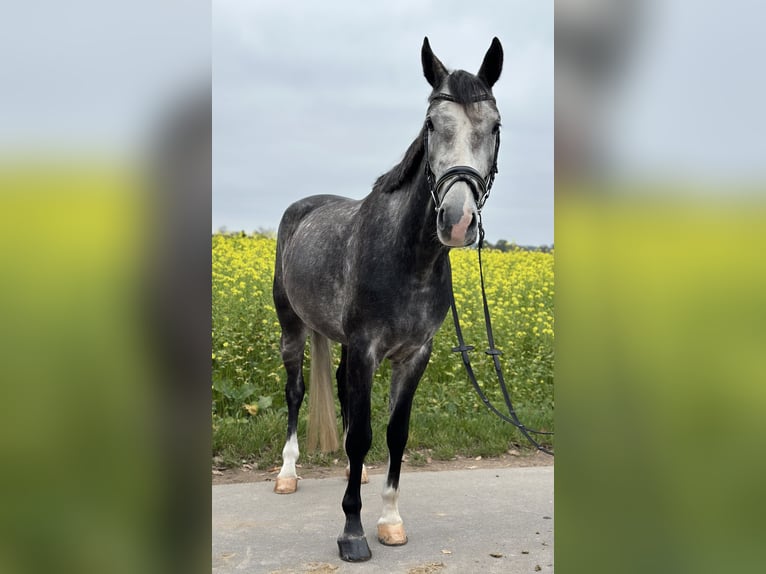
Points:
(404, 381)
(340, 376)
(360, 367)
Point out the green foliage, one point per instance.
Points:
(448, 418)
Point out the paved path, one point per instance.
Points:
(455, 520)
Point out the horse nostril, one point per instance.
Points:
(473, 221)
(440, 218)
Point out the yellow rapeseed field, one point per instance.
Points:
(247, 369)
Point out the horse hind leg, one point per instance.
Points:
(293, 342)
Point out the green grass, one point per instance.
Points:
(259, 440)
(450, 426)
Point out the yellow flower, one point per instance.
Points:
(251, 409)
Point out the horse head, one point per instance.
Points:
(461, 140)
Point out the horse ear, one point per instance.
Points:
(433, 69)
(492, 64)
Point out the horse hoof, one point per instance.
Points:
(286, 484)
(365, 478)
(392, 534)
(354, 549)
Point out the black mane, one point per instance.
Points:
(404, 171)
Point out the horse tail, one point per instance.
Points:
(322, 427)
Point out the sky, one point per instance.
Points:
(313, 98)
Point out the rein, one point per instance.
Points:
(495, 353)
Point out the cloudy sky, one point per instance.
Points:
(323, 97)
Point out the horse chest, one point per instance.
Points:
(406, 316)
(426, 306)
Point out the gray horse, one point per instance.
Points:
(374, 276)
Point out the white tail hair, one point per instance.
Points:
(323, 426)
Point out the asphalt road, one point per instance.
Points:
(462, 521)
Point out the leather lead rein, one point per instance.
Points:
(495, 353)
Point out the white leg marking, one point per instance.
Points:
(390, 496)
(289, 457)
(390, 513)
(390, 527)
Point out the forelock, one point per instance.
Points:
(466, 88)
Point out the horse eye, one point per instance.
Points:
(429, 125)
(496, 128)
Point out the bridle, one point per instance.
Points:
(478, 184)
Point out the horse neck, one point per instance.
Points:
(414, 227)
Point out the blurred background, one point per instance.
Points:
(104, 299)
(660, 279)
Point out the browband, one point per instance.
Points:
(450, 98)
